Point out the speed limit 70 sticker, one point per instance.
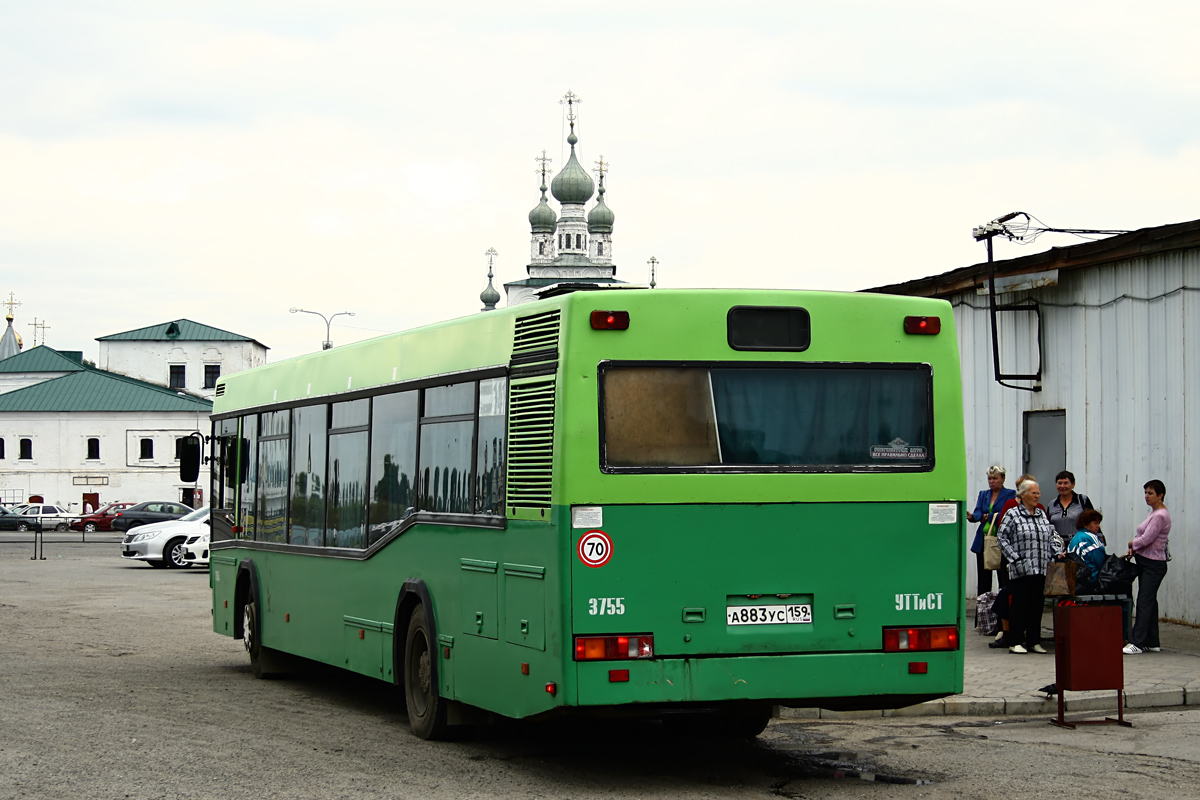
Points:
(595, 548)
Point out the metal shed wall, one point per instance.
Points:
(1117, 358)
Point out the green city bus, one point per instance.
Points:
(687, 504)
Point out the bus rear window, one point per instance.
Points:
(777, 417)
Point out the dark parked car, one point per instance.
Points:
(145, 513)
(12, 521)
(99, 520)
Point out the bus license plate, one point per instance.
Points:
(769, 615)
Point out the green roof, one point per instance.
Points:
(43, 359)
(97, 390)
(179, 330)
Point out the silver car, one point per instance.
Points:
(162, 544)
(50, 517)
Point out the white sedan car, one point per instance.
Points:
(50, 517)
(195, 549)
(161, 544)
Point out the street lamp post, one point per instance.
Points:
(328, 343)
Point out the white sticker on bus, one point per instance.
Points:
(943, 513)
(898, 449)
(587, 517)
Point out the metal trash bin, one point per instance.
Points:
(1087, 652)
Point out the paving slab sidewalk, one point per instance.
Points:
(997, 682)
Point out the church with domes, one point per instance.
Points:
(574, 245)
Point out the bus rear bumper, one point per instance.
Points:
(834, 680)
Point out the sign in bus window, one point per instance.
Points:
(659, 416)
(780, 416)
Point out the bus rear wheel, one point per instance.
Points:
(264, 662)
(426, 709)
(745, 722)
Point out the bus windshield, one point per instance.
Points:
(772, 417)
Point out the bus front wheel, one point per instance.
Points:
(426, 709)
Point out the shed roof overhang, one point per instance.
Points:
(1147, 241)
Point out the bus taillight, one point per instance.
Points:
(611, 648)
(905, 640)
(926, 325)
(610, 320)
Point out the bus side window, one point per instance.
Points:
(490, 455)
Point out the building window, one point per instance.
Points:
(541, 248)
(560, 241)
(211, 373)
(178, 376)
(179, 440)
(599, 248)
(147, 449)
(26, 450)
(1, 448)
(579, 241)
(93, 449)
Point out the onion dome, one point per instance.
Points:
(543, 219)
(600, 218)
(489, 296)
(573, 184)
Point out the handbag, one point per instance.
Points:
(1060, 579)
(993, 557)
(1085, 578)
(986, 619)
(1116, 575)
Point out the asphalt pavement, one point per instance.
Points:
(997, 682)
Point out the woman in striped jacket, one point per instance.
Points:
(1027, 540)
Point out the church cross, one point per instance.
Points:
(543, 165)
(570, 100)
(38, 327)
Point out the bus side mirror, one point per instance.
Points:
(189, 459)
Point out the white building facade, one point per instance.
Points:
(180, 354)
(97, 457)
(75, 434)
(1118, 400)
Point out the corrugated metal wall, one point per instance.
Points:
(1116, 356)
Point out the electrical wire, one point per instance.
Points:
(1026, 233)
(1105, 304)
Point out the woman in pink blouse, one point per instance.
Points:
(1150, 547)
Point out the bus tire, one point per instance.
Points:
(744, 723)
(730, 723)
(264, 662)
(426, 708)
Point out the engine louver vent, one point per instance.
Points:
(220, 390)
(535, 345)
(530, 443)
(531, 410)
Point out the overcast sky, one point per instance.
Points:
(224, 161)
